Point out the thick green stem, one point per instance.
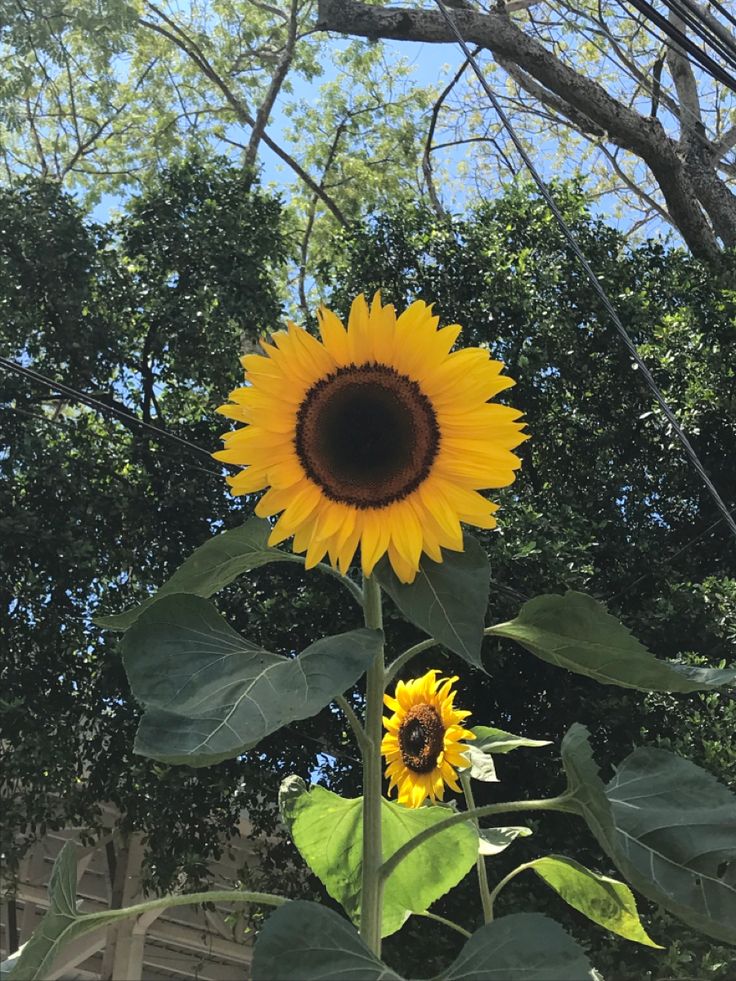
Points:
(485, 896)
(372, 891)
(488, 810)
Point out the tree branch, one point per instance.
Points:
(177, 36)
(426, 156)
(623, 126)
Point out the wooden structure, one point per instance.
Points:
(184, 942)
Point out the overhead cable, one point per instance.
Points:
(683, 43)
(100, 406)
(595, 283)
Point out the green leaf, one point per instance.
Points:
(210, 568)
(61, 923)
(574, 631)
(307, 942)
(668, 826)
(525, 947)
(209, 694)
(447, 600)
(605, 901)
(490, 740)
(495, 840)
(328, 831)
(482, 766)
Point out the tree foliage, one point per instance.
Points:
(150, 312)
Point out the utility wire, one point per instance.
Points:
(722, 10)
(603, 296)
(106, 407)
(683, 43)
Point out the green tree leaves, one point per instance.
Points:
(328, 831)
(447, 599)
(209, 694)
(574, 631)
(668, 826)
(211, 567)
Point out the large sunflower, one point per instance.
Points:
(423, 744)
(377, 437)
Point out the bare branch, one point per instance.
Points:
(589, 101)
(426, 156)
(278, 79)
(186, 44)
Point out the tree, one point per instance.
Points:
(145, 315)
(605, 501)
(96, 513)
(688, 167)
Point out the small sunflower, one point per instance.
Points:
(377, 437)
(423, 744)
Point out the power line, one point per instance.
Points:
(684, 44)
(603, 296)
(105, 407)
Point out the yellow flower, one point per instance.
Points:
(377, 437)
(423, 744)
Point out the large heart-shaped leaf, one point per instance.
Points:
(328, 831)
(209, 694)
(525, 947)
(574, 631)
(308, 942)
(668, 826)
(211, 567)
(605, 901)
(448, 599)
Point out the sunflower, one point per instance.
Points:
(376, 437)
(423, 743)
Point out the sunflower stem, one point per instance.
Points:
(393, 669)
(371, 905)
(487, 810)
(480, 863)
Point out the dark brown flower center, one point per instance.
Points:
(367, 435)
(421, 738)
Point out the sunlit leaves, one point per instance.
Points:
(603, 900)
(328, 831)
